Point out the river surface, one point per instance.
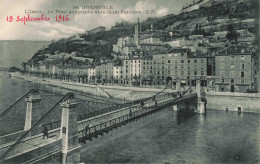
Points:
(164, 137)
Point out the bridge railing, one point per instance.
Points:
(52, 125)
(57, 124)
(119, 106)
(105, 126)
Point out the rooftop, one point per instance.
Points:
(235, 50)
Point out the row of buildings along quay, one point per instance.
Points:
(154, 58)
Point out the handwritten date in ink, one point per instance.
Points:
(29, 18)
(62, 18)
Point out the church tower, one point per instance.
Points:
(137, 33)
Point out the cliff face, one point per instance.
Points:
(212, 16)
(14, 52)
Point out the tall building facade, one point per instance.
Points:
(235, 69)
(179, 64)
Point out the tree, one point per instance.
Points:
(196, 29)
(231, 34)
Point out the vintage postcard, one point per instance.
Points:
(129, 81)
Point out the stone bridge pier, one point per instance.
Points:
(70, 147)
(196, 105)
(33, 102)
(201, 100)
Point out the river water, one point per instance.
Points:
(165, 137)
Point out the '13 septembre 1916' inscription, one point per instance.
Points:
(42, 18)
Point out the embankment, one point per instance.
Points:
(248, 102)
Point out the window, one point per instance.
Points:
(144, 63)
(202, 72)
(188, 72)
(169, 61)
(242, 66)
(176, 67)
(188, 61)
(182, 54)
(232, 80)
(182, 61)
(195, 60)
(195, 72)
(242, 74)
(201, 60)
(232, 66)
(232, 73)
(222, 80)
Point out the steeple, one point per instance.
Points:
(137, 33)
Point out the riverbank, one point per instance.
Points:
(120, 92)
(248, 102)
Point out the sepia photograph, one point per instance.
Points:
(129, 81)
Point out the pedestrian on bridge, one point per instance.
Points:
(142, 103)
(86, 129)
(130, 113)
(156, 104)
(45, 132)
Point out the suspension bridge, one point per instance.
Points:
(72, 119)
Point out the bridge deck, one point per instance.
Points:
(31, 143)
(97, 125)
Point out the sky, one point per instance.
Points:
(78, 23)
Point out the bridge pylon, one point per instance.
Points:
(201, 108)
(33, 102)
(70, 151)
(178, 85)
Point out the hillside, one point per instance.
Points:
(211, 16)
